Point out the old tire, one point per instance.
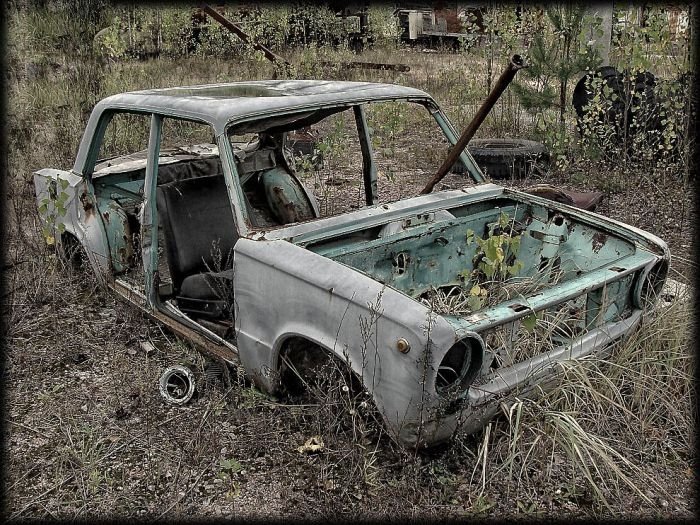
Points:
(583, 96)
(630, 107)
(506, 158)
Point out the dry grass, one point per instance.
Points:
(609, 426)
(88, 435)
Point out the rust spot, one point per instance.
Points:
(598, 241)
(87, 204)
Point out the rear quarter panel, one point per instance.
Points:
(80, 218)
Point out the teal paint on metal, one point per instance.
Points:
(285, 196)
(369, 168)
(92, 140)
(114, 217)
(511, 310)
(149, 227)
(422, 257)
(557, 251)
(608, 302)
(112, 187)
(116, 227)
(602, 224)
(340, 225)
(233, 185)
(90, 200)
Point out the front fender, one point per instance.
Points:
(283, 291)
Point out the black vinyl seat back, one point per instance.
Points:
(196, 218)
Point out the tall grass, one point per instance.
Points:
(608, 423)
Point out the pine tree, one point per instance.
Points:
(555, 56)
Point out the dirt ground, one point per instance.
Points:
(88, 434)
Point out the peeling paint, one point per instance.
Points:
(598, 241)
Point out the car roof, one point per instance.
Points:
(220, 104)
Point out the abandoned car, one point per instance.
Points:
(442, 304)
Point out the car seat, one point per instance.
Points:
(199, 233)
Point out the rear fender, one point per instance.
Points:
(80, 217)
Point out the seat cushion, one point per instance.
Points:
(208, 286)
(207, 295)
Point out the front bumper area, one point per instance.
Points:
(519, 380)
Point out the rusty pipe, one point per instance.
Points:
(236, 30)
(514, 65)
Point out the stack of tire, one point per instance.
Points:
(630, 101)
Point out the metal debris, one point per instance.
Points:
(177, 385)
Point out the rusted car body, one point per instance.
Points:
(353, 285)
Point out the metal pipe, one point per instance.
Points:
(514, 65)
(368, 65)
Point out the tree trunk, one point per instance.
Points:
(693, 56)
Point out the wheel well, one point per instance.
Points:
(302, 362)
(309, 372)
(72, 251)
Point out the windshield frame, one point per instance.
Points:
(447, 128)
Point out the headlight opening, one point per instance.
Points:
(650, 283)
(459, 366)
